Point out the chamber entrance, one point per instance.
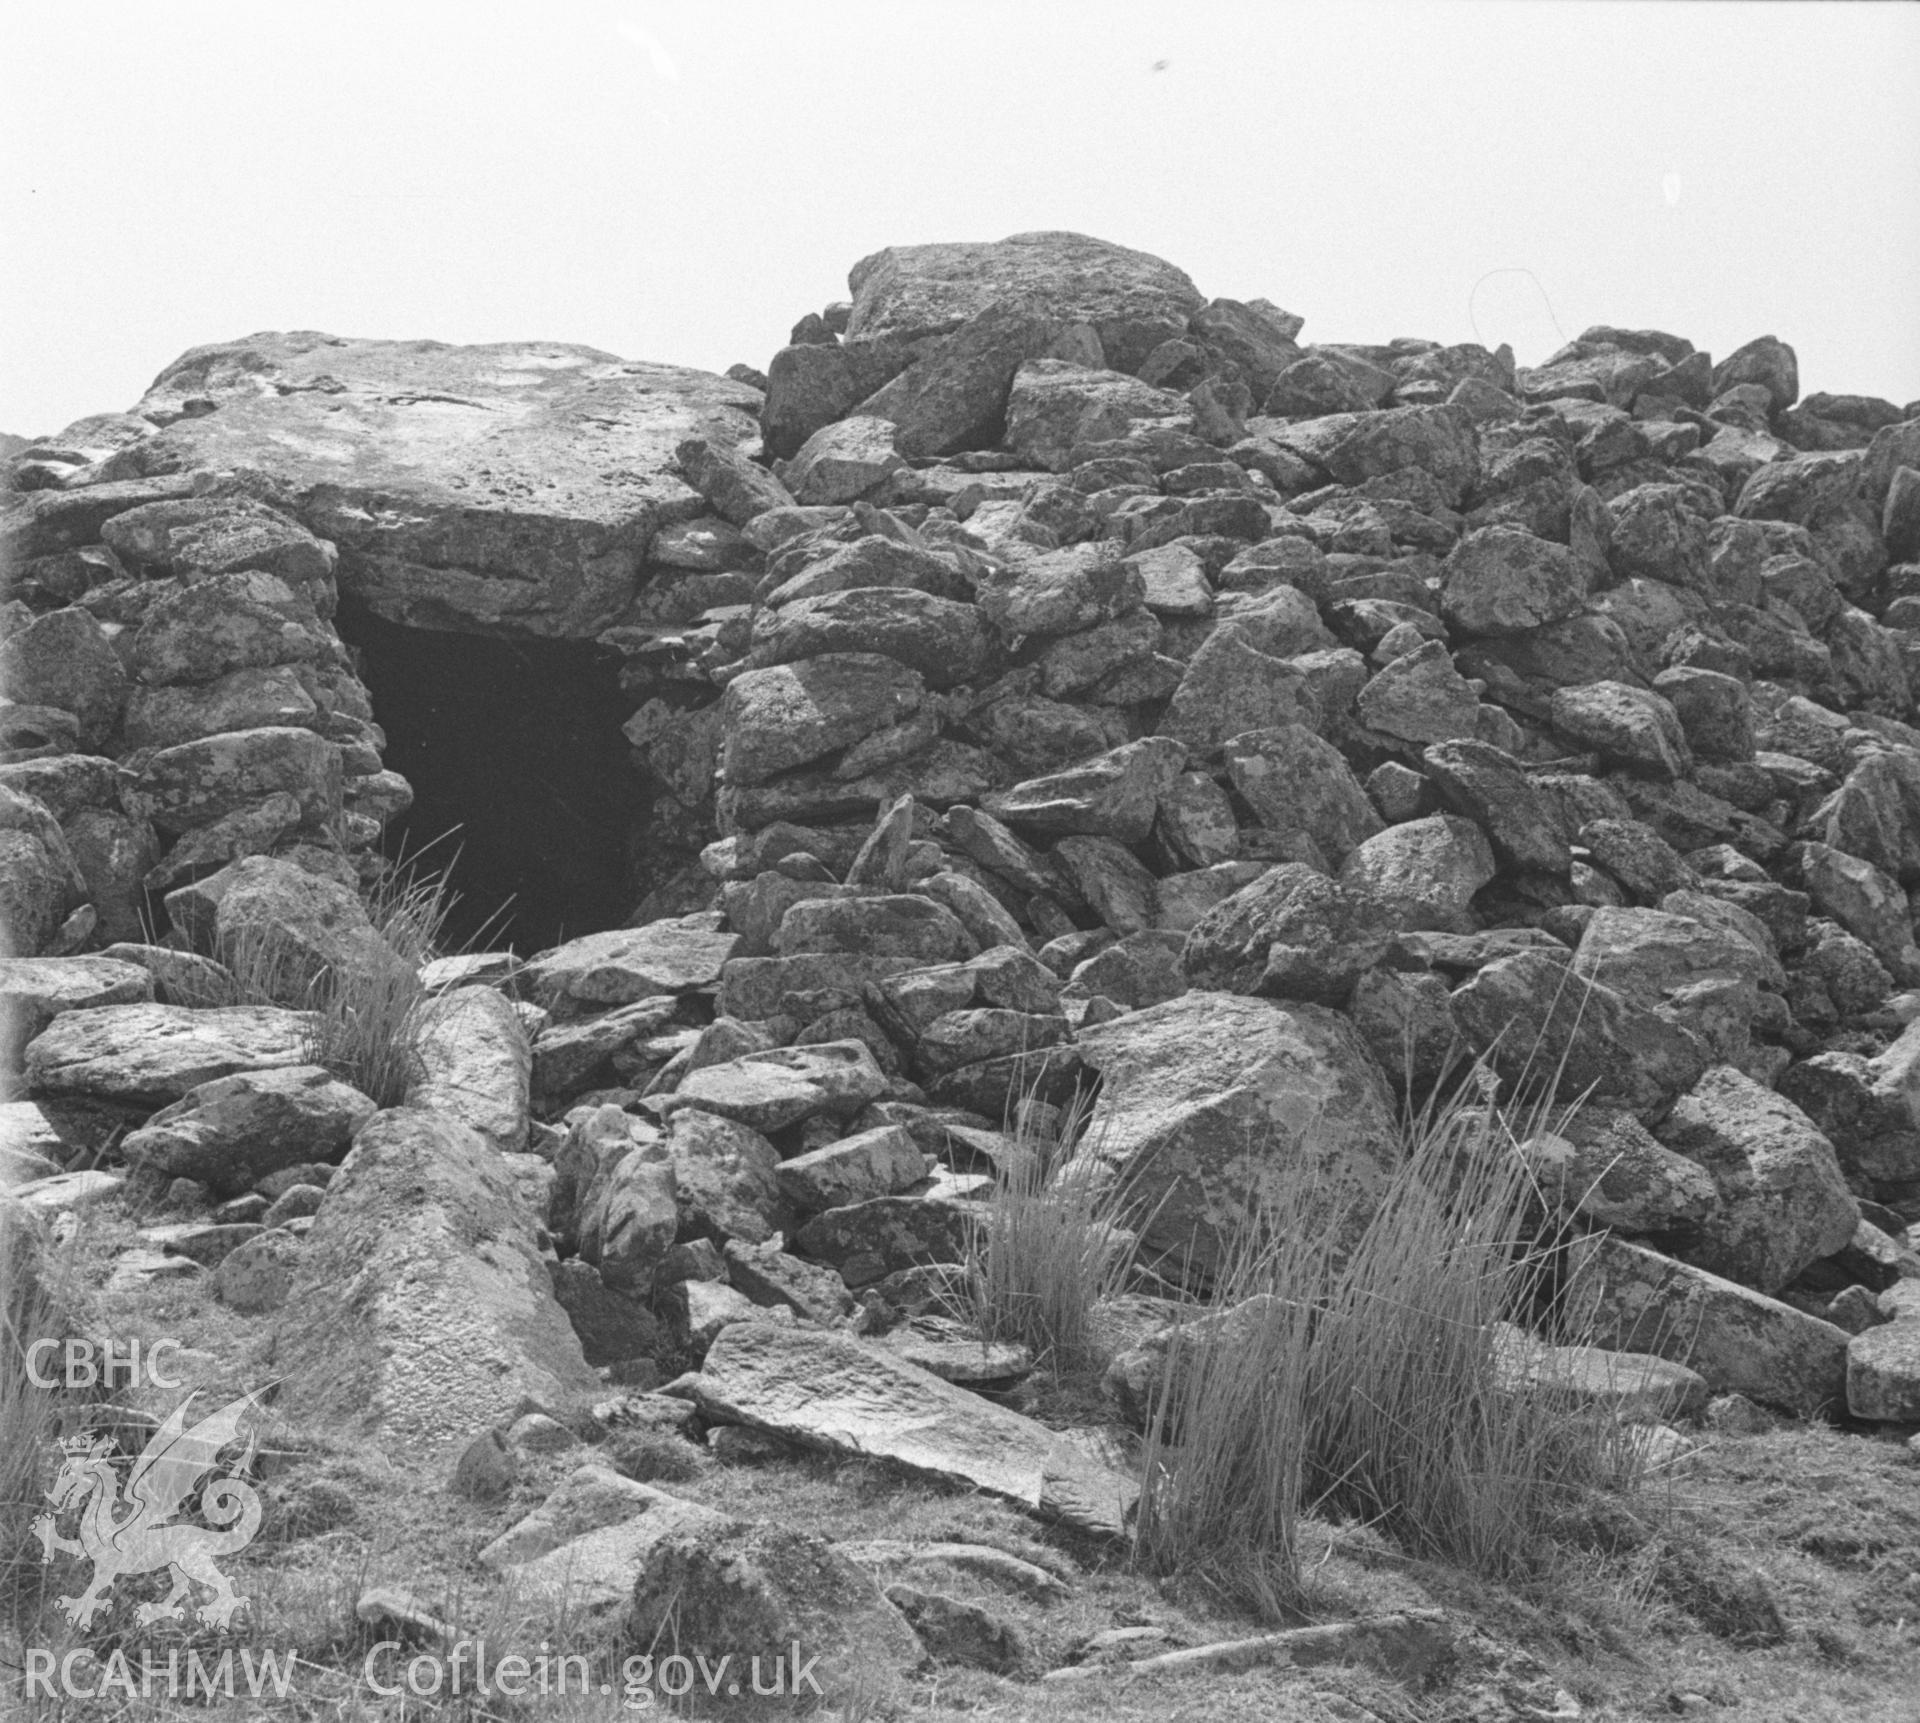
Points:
(522, 781)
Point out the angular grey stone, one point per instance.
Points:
(844, 1396)
(842, 461)
(944, 641)
(1299, 785)
(1501, 580)
(194, 783)
(875, 1163)
(1423, 873)
(1630, 726)
(156, 1053)
(628, 963)
(453, 1320)
(474, 1065)
(231, 1132)
(1114, 795)
(1210, 1102)
(785, 1085)
(787, 715)
(1783, 1201)
(1741, 1341)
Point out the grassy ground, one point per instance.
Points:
(1662, 1616)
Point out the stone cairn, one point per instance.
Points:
(1068, 682)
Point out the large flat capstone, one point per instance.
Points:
(511, 488)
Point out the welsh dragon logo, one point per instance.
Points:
(133, 1533)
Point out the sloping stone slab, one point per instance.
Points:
(1741, 1341)
(421, 1309)
(628, 963)
(158, 1052)
(507, 488)
(840, 1395)
(35, 990)
(589, 1499)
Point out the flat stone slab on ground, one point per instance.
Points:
(833, 1392)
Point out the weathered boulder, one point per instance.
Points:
(1502, 580)
(64, 659)
(195, 783)
(625, 964)
(842, 461)
(156, 1053)
(727, 1179)
(1115, 794)
(1210, 1103)
(1132, 300)
(942, 640)
(289, 925)
(240, 621)
(1055, 405)
(452, 1319)
(787, 715)
(1542, 1023)
(198, 537)
(230, 1133)
(784, 1085)
(760, 1594)
(1292, 933)
(504, 488)
(1741, 1341)
(40, 882)
(474, 1065)
(1883, 1372)
(1782, 1201)
(1611, 1169)
(1422, 873)
(900, 924)
(1300, 785)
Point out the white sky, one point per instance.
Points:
(682, 181)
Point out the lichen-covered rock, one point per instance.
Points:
(475, 1065)
(1422, 873)
(1301, 786)
(453, 1319)
(784, 1085)
(1115, 794)
(156, 1053)
(1782, 1200)
(232, 1132)
(195, 783)
(1542, 1023)
(64, 659)
(1209, 1101)
(1741, 1341)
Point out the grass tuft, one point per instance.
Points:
(1376, 1384)
(367, 1016)
(1050, 1247)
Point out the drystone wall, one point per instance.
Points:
(1071, 685)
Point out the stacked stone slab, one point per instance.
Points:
(179, 699)
(1088, 685)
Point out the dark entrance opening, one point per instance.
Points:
(518, 768)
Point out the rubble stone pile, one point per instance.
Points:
(1069, 685)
